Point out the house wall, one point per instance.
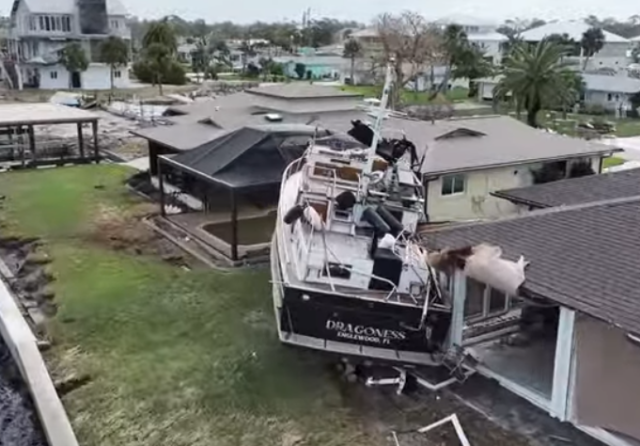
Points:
(96, 77)
(485, 90)
(54, 77)
(476, 202)
(611, 101)
(318, 71)
(606, 388)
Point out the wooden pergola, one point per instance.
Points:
(20, 119)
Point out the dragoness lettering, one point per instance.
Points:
(363, 333)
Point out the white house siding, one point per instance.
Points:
(53, 77)
(476, 202)
(485, 90)
(96, 77)
(609, 100)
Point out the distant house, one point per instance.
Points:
(481, 33)
(568, 340)
(316, 67)
(609, 92)
(41, 29)
(466, 160)
(614, 54)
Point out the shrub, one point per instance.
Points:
(594, 109)
(175, 73)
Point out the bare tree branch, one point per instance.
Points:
(412, 43)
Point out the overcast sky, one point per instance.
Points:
(245, 11)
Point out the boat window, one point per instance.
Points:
(337, 271)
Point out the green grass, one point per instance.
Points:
(175, 357)
(457, 94)
(625, 127)
(612, 161)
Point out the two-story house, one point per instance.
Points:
(614, 53)
(481, 33)
(40, 30)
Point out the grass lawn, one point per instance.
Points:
(612, 161)
(456, 94)
(175, 357)
(625, 127)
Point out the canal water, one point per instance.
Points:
(19, 425)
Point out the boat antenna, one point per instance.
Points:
(379, 118)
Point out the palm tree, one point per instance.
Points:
(74, 59)
(159, 58)
(535, 77)
(352, 50)
(162, 33)
(455, 43)
(115, 52)
(592, 42)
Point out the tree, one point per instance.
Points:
(201, 56)
(471, 64)
(114, 52)
(74, 59)
(352, 50)
(535, 78)
(410, 44)
(300, 70)
(455, 45)
(162, 33)
(247, 51)
(592, 42)
(160, 58)
(266, 67)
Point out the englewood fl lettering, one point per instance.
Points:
(365, 333)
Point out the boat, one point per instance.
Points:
(349, 275)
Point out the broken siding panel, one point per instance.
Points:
(607, 386)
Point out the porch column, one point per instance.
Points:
(563, 359)
(234, 226)
(96, 151)
(80, 140)
(32, 144)
(457, 313)
(161, 187)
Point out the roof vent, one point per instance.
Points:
(273, 117)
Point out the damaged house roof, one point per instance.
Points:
(574, 191)
(584, 257)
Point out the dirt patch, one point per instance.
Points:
(124, 230)
(382, 412)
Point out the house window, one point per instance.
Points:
(53, 75)
(42, 25)
(609, 97)
(117, 74)
(453, 184)
(66, 24)
(115, 24)
(482, 301)
(47, 23)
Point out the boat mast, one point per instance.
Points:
(377, 126)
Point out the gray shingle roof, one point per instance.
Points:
(584, 257)
(505, 141)
(574, 191)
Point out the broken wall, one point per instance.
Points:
(93, 16)
(607, 378)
